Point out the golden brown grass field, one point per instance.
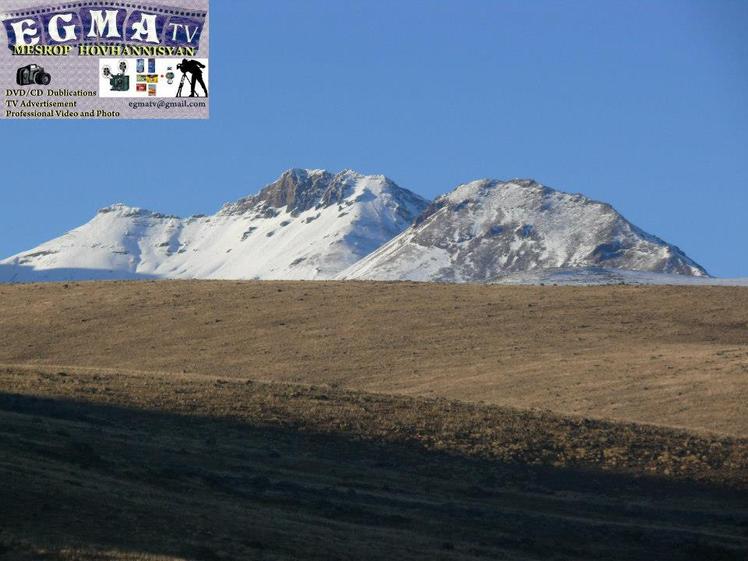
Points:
(279, 420)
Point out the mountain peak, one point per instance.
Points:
(303, 173)
(307, 224)
(122, 210)
(488, 228)
(298, 190)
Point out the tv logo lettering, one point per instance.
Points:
(81, 24)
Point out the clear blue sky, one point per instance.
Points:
(642, 104)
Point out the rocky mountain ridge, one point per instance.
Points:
(316, 225)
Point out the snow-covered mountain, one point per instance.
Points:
(309, 224)
(488, 229)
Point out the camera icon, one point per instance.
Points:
(32, 75)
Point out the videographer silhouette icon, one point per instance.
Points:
(195, 68)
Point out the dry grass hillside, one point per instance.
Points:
(675, 356)
(223, 421)
(165, 467)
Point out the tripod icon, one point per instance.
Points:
(181, 85)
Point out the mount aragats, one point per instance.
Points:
(315, 225)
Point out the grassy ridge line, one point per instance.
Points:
(490, 432)
(43, 368)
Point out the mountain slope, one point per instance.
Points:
(309, 224)
(486, 229)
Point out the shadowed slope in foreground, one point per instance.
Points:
(105, 466)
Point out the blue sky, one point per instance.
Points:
(640, 104)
